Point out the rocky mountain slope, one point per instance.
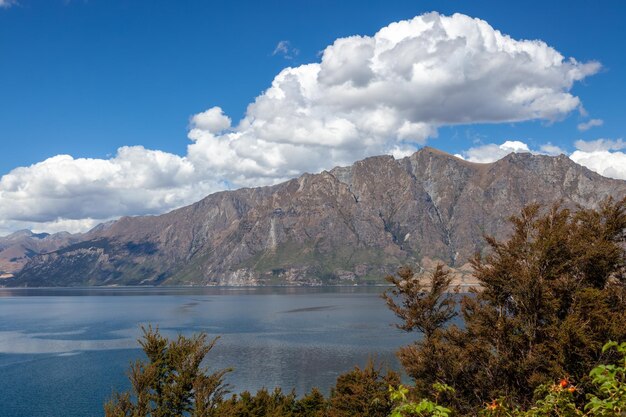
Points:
(348, 225)
(17, 248)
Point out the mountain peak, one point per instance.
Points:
(428, 151)
(17, 248)
(20, 234)
(348, 225)
(435, 151)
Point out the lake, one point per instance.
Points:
(64, 351)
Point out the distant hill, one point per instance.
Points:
(348, 225)
(17, 248)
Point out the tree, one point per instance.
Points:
(312, 405)
(426, 306)
(607, 397)
(549, 297)
(172, 382)
(363, 392)
(262, 404)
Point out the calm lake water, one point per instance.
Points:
(64, 351)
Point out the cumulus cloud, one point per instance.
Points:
(602, 156)
(491, 152)
(591, 123)
(389, 93)
(382, 94)
(606, 163)
(600, 145)
(212, 120)
(135, 181)
(552, 150)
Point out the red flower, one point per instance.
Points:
(493, 405)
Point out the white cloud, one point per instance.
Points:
(608, 164)
(491, 152)
(591, 123)
(600, 145)
(389, 92)
(369, 95)
(135, 181)
(552, 150)
(602, 156)
(212, 120)
(7, 3)
(285, 49)
(61, 225)
(596, 155)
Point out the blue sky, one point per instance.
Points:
(84, 78)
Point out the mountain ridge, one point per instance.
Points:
(347, 225)
(17, 248)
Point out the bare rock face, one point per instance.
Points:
(350, 225)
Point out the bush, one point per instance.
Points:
(606, 399)
(423, 408)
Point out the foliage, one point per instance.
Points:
(359, 392)
(610, 382)
(362, 392)
(549, 297)
(172, 382)
(425, 307)
(263, 403)
(606, 399)
(423, 408)
(557, 401)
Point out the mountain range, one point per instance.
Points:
(17, 248)
(349, 225)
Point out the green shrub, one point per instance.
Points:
(423, 408)
(607, 397)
